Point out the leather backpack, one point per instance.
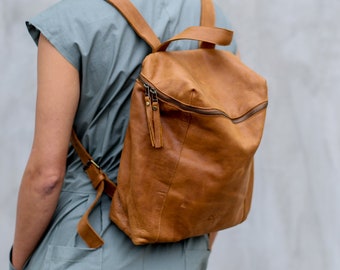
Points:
(196, 121)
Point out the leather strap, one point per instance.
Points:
(101, 183)
(143, 30)
(209, 35)
(207, 13)
(207, 19)
(93, 170)
(137, 22)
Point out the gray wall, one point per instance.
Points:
(295, 218)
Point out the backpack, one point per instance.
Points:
(196, 121)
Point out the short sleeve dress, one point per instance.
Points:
(99, 43)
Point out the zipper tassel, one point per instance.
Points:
(148, 110)
(156, 119)
(153, 117)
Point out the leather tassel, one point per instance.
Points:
(157, 125)
(149, 117)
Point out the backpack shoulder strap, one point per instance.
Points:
(142, 28)
(101, 183)
(207, 19)
(136, 21)
(207, 13)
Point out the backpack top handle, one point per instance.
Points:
(208, 37)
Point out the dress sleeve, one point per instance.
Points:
(57, 25)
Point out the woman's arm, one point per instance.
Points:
(57, 101)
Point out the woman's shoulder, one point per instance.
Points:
(75, 12)
(71, 25)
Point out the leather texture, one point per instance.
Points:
(196, 121)
(187, 166)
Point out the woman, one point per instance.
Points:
(88, 60)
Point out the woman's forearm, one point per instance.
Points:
(38, 197)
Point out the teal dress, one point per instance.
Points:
(99, 43)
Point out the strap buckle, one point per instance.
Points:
(89, 163)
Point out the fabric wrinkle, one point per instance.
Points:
(100, 44)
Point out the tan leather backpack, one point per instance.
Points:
(196, 121)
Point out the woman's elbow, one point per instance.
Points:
(44, 182)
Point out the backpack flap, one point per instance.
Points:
(236, 98)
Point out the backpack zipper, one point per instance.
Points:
(152, 92)
(153, 116)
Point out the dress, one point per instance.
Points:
(97, 41)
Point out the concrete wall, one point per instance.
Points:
(295, 218)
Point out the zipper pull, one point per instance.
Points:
(156, 117)
(148, 111)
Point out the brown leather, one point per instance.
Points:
(209, 35)
(101, 183)
(207, 19)
(207, 13)
(144, 31)
(137, 22)
(198, 178)
(196, 121)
